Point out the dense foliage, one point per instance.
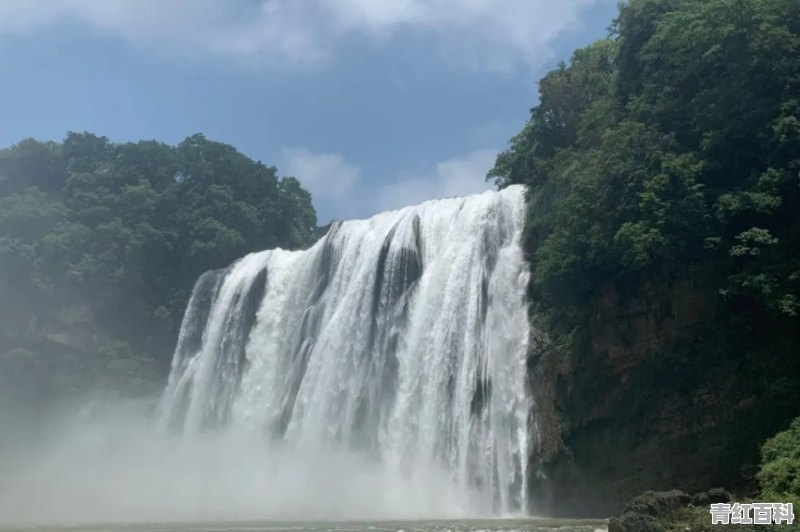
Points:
(779, 476)
(663, 170)
(105, 240)
(673, 145)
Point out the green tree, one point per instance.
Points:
(122, 231)
(662, 167)
(780, 467)
(671, 145)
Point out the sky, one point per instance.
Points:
(371, 104)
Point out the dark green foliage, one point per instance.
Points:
(671, 149)
(668, 155)
(674, 144)
(780, 468)
(123, 230)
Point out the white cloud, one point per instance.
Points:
(338, 193)
(477, 33)
(328, 176)
(454, 177)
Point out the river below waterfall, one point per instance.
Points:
(476, 525)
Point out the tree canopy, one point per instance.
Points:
(663, 234)
(125, 229)
(669, 148)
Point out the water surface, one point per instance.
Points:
(476, 525)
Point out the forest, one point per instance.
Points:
(671, 149)
(663, 234)
(101, 243)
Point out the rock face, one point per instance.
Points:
(664, 511)
(648, 511)
(59, 352)
(54, 329)
(647, 397)
(72, 327)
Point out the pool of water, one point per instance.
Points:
(477, 525)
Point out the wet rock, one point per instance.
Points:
(701, 499)
(717, 495)
(631, 522)
(648, 511)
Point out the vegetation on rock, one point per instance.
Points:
(100, 244)
(779, 476)
(663, 166)
(672, 148)
(675, 511)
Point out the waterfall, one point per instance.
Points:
(401, 338)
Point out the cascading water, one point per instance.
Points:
(401, 338)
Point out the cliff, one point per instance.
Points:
(648, 396)
(61, 352)
(663, 236)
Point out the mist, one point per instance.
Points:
(111, 463)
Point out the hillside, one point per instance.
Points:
(663, 231)
(101, 243)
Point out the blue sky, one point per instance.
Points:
(372, 104)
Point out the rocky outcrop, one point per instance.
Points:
(55, 354)
(73, 327)
(645, 397)
(667, 511)
(55, 330)
(647, 512)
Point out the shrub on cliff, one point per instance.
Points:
(779, 476)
